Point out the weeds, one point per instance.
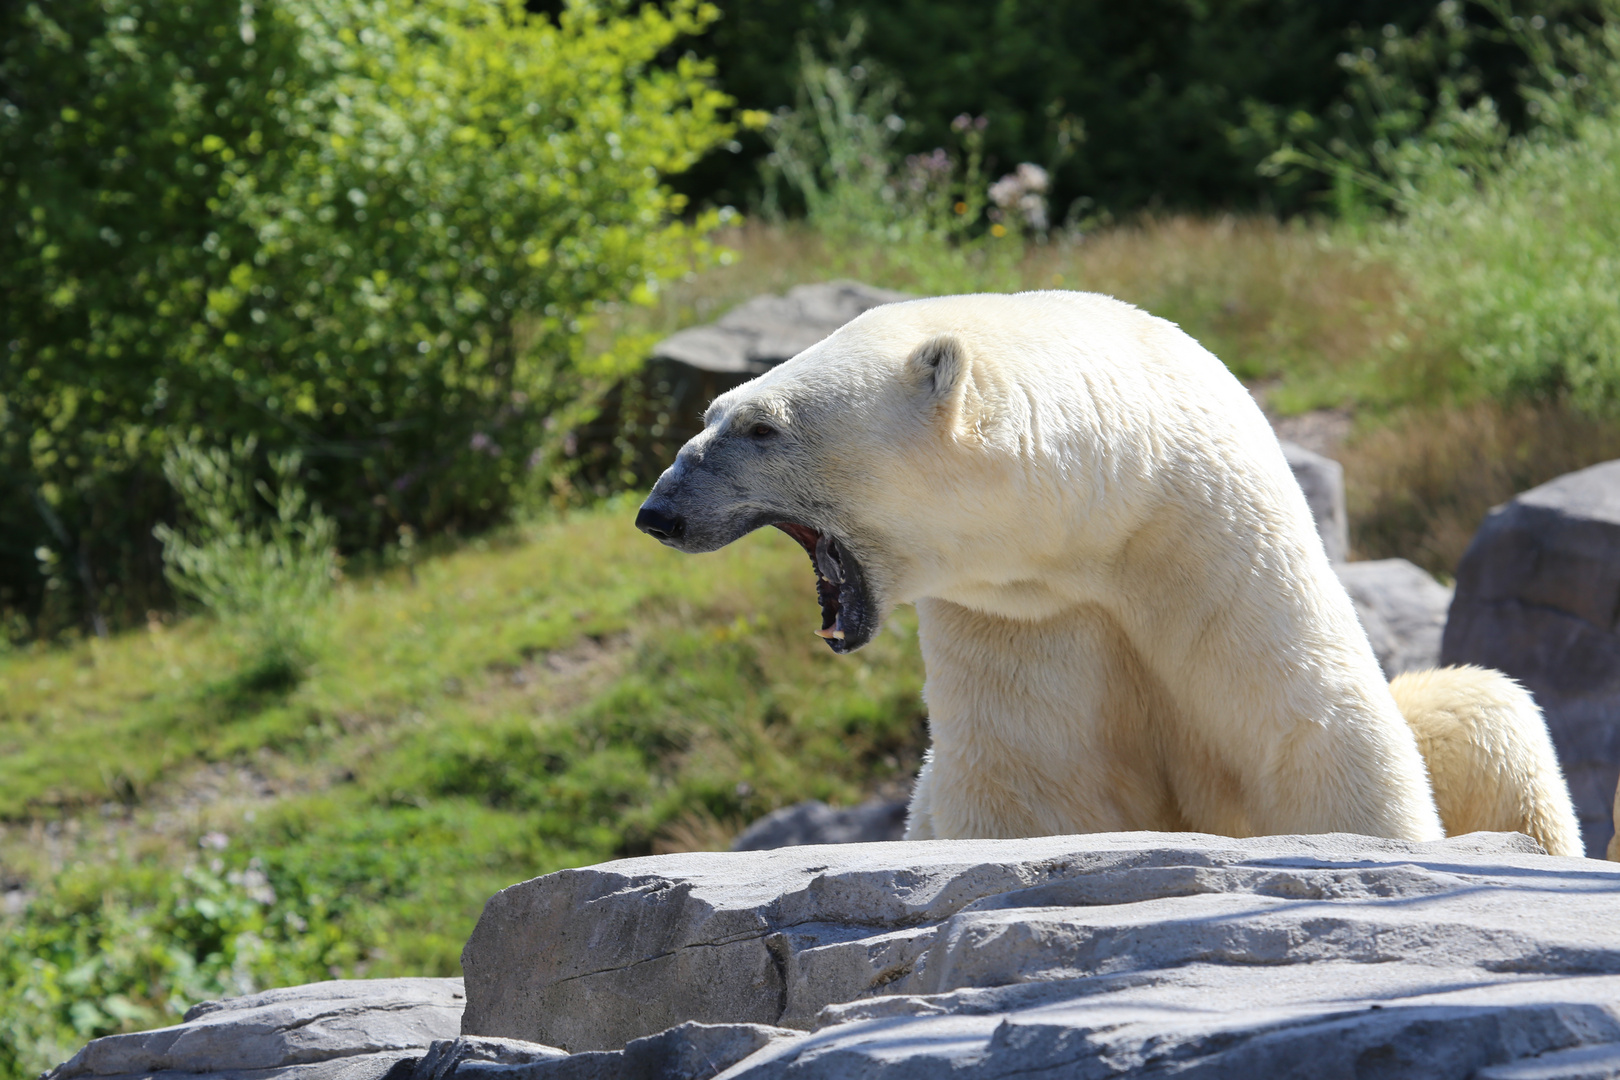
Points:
(120, 947)
(263, 581)
(1419, 484)
(835, 151)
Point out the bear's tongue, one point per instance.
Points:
(827, 559)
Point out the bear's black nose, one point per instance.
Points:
(659, 525)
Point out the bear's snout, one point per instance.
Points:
(660, 524)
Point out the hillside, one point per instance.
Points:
(557, 695)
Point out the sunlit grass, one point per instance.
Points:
(562, 693)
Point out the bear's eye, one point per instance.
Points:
(761, 431)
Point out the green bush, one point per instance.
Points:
(1510, 240)
(372, 231)
(263, 582)
(123, 948)
(836, 153)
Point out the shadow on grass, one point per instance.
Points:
(261, 681)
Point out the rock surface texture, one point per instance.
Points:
(756, 336)
(814, 822)
(692, 367)
(1538, 596)
(1402, 609)
(354, 1029)
(1322, 480)
(1127, 954)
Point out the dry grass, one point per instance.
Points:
(1278, 303)
(1275, 302)
(1419, 485)
(696, 830)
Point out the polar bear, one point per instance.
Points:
(1127, 618)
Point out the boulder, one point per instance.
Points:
(390, 1029)
(814, 822)
(1538, 596)
(1322, 480)
(351, 1029)
(1103, 955)
(692, 367)
(1402, 609)
(756, 336)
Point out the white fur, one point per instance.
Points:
(1491, 761)
(1127, 617)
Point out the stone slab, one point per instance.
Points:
(347, 1029)
(799, 937)
(1217, 1022)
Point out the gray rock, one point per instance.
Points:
(814, 822)
(1403, 610)
(467, 1055)
(689, 369)
(767, 330)
(1538, 596)
(685, 1052)
(1322, 480)
(352, 1029)
(1600, 1062)
(1103, 955)
(1209, 1022)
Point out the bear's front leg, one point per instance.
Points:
(920, 814)
(1040, 727)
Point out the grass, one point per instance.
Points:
(558, 695)
(1419, 482)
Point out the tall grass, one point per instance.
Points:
(1506, 240)
(1419, 482)
(1520, 271)
(263, 575)
(834, 152)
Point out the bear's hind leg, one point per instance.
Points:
(1491, 761)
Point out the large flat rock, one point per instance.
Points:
(1113, 954)
(347, 1029)
(1538, 596)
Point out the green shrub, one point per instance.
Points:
(263, 582)
(123, 949)
(1507, 240)
(1522, 271)
(374, 231)
(835, 152)
(1512, 240)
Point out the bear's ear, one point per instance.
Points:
(938, 366)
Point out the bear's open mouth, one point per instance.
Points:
(838, 587)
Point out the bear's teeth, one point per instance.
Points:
(839, 634)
